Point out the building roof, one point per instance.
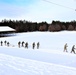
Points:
(6, 28)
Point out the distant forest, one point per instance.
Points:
(27, 26)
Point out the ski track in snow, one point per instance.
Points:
(19, 66)
(53, 56)
(48, 60)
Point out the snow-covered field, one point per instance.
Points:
(49, 59)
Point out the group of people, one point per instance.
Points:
(20, 44)
(72, 50)
(23, 44)
(5, 42)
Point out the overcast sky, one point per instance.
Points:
(38, 10)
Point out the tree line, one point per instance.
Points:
(27, 26)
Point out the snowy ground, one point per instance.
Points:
(48, 60)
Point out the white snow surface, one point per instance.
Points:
(49, 59)
(6, 28)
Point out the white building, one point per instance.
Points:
(6, 30)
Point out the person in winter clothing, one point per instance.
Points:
(33, 45)
(1, 43)
(8, 44)
(65, 47)
(5, 42)
(38, 44)
(19, 44)
(73, 49)
(26, 45)
(23, 44)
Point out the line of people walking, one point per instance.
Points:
(23, 44)
(34, 45)
(20, 44)
(6, 43)
(72, 50)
